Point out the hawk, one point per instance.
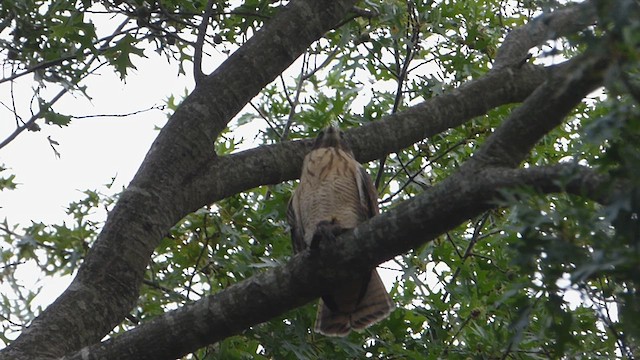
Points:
(336, 194)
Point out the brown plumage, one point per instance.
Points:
(336, 194)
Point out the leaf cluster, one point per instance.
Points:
(541, 276)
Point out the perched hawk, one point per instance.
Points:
(336, 194)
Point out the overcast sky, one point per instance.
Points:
(92, 150)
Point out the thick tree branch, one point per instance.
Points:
(473, 189)
(544, 110)
(273, 164)
(306, 276)
(538, 115)
(181, 173)
(97, 300)
(569, 20)
(503, 85)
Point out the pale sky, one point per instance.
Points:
(92, 150)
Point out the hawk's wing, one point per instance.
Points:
(297, 231)
(368, 193)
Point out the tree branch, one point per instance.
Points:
(305, 277)
(181, 173)
(544, 110)
(569, 20)
(283, 161)
(198, 75)
(97, 300)
(473, 189)
(31, 122)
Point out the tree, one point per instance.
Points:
(502, 138)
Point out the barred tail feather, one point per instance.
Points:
(331, 323)
(376, 304)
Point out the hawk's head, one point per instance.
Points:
(331, 137)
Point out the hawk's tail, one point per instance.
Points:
(376, 304)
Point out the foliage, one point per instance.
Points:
(541, 277)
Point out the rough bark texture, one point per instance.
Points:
(299, 281)
(107, 284)
(544, 110)
(546, 27)
(280, 162)
(181, 173)
(470, 191)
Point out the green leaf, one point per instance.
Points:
(54, 118)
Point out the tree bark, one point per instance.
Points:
(304, 277)
(108, 282)
(474, 188)
(181, 173)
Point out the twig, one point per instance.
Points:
(303, 77)
(165, 289)
(284, 84)
(46, 64)
(171, 16)
(453, 338)
(30, 124)
(455, 246)
(13, 264)
(14, 109)
(11, 322)
(412, 177)
(265, 118)
(601, 310)
(414, 24)
(198, 75)
(323, 64)
(33, 118)
(357, 12)
(467, 252)
(293, 103)
(207, 238)
(34, 241)
(154, 107)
